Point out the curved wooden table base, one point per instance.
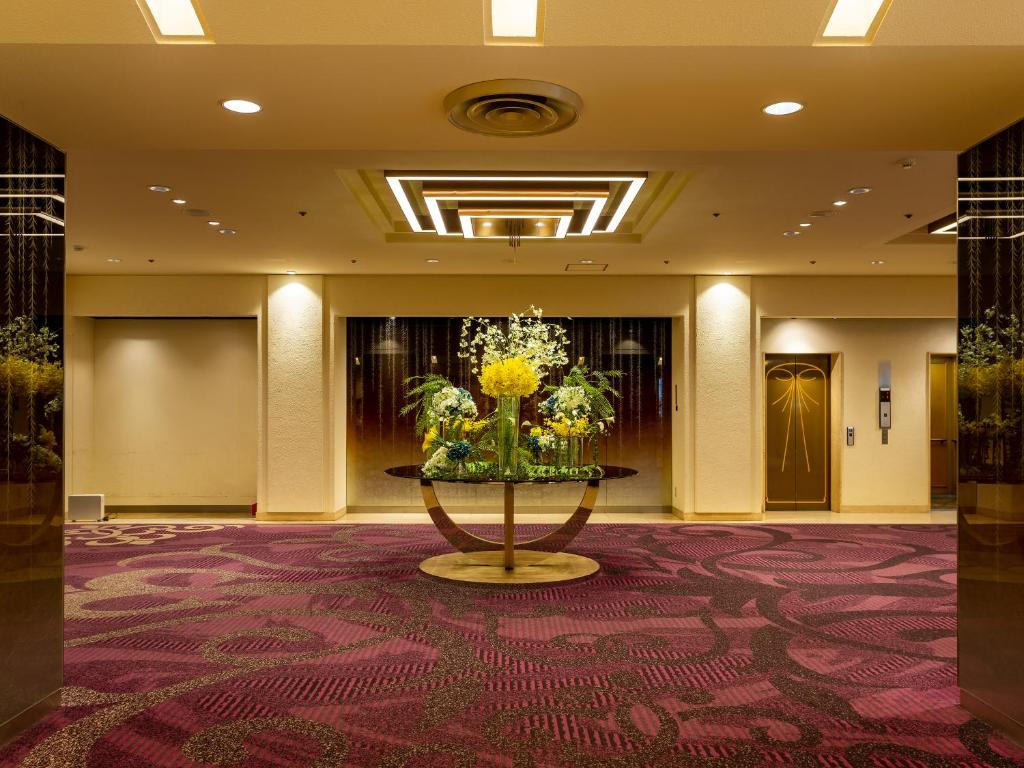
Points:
(545, 562)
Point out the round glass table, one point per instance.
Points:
(536, 561)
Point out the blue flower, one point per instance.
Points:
(459, 450)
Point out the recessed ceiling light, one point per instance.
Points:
(241, 106)
(877, 262)
(859, 190)
(855, 18)
(114, 261)
(227, 231)
(174, 18)
(805, 224)
(213, 223)
(792, 233)
(586, 261)
(839, 203)
(158, 188)
(179, 201)
(291, 272)
(433, 261)
(516, 19)
(780, 108)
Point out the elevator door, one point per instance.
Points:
(943, 435)
(797, 438)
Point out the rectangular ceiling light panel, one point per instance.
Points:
(174, 20)
(431, 193)
(854, 21)
(512, 22)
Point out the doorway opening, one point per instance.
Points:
(798, 453)
(943, 430)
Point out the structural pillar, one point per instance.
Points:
(296, 464)
(725, 433)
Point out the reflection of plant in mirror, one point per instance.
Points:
(990, 376)
(32, 380)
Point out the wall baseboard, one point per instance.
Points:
(113, 510)
(565, 509)
(902, 509)
(302, 517)
(710, 517)
(28, 717)
(994, 717)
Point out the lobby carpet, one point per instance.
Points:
(314, 645)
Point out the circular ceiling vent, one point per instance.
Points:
(513, 108)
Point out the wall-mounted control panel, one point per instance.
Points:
(885, 408)
(850, 436)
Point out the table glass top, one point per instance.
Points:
(415, 472)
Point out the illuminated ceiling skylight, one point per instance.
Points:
(854, 22)
(174, 21)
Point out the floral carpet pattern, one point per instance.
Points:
(696, 645)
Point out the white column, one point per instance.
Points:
(297, 456)
(725, 472)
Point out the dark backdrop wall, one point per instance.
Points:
(31, 418)
(991, 449)
(382, 352)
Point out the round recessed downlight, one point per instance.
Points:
(227, 231)
(179, 201)
(241, 106)
(114, 261)
(878, 262)
(159, 188)
(213, 223)
(839, 203)
(780, 108)
(859, 190)
(433, 261)
(805, 224)
(792, 233)
(291, 272)
(586, 261)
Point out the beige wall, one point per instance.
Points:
(174, 411)
(307, 352)
(893, 476)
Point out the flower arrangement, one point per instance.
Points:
(511, 362)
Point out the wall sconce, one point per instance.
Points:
(357, 362)
(433, 359)
(582, 361)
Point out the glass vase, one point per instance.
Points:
(507, 446)
(569, 452)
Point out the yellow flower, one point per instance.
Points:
(470, 427)
(565, 428)
(429, 438)
(536, 432)
(509, 378)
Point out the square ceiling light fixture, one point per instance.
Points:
(853, 22)
(528, 206)
(175, 21)
(514, 22)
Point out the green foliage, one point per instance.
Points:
(419, 398)
(20, 338)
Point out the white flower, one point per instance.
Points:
(451, 402)
(437, 464)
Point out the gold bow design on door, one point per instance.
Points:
(796, 397)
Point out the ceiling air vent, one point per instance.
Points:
(513, 108)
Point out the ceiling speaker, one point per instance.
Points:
(513, 108)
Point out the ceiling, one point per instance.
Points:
(667, 85)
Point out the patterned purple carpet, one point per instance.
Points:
(322, 646)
